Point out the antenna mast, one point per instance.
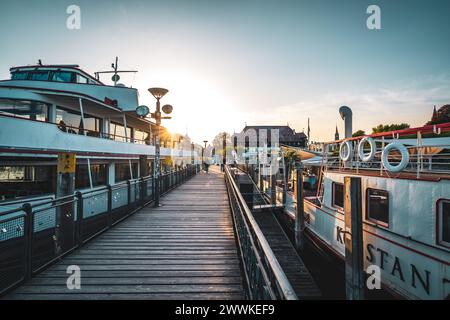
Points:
(116, 72)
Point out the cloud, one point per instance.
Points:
(406, 101)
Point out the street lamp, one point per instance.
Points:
(203, 152)
(143, 111)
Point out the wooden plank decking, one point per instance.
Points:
(183, 250)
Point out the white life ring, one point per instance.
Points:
(404, 153)
(346, 151)
(373, 149)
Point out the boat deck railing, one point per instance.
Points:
(28, 229)
(264, 276)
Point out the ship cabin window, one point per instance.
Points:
(141, 137)
(40, 75)
(63, 76)
(377, 206)
(98, 174)
(26, 109)
(444, 221)
(70, 121)
(22, 181)
(19, 75)
(82, 79)
(117, 132)
(122, 171)
(92, 125)
(338, 195)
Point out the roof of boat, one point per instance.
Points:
(428, 129)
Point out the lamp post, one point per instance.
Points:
(143, 111)
(203, 151)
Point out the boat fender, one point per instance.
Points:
(373, 149)
(346, 151)
(404, 153)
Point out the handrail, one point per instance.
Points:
(280, 277)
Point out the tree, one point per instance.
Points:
(218, 139)
(217, 143)
(390, 127)
(359, 133)
(291, 157)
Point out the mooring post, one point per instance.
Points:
(65, 186)
(260, 178)
(299, 213)
(353, 239)
(224, 152)
(273, 189)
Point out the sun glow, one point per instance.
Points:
(200, 109)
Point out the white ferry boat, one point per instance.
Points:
(405, 181)
(50, 109)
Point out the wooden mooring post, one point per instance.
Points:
(65, 186)
(299, 226)
(353, 239)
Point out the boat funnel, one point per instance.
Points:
(346, 115)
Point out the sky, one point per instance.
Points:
(231, 63)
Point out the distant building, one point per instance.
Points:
(336, 134)
(440, 116)
(287, 135)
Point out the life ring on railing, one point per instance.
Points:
(403, 152)
(346, 151)
(373, 149)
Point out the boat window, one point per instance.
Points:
(93, 125)
(338, 195)
(122, 171)
(377, 206)
(81, 79)
(21, 181)
(19, 75)
(117, 132)
(62, 76)
(98, 174)
(444, 219)
(141, 137)
(26, 109)
(40, 75)
(68, 121)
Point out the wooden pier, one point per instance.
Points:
(185, 249)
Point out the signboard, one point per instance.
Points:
(66, 162)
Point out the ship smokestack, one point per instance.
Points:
(346, 115)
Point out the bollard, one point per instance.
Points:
(273, 190)
(353, 239)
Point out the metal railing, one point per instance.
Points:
(264, 276)
(27, 232)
